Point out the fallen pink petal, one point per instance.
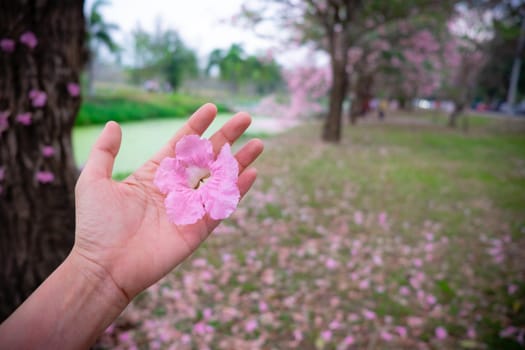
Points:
(441, 333)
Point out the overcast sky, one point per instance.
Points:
(203, 24)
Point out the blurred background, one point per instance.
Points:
(389, 212)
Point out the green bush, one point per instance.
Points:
(125, 107)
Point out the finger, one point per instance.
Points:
(248, 153)
(246, 180)
(231, 131)
(102, 157)
(197, 124)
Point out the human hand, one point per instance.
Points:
(121, 227)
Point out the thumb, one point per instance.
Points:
(102, 157)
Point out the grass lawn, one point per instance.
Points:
(407, 235)
(125, 104)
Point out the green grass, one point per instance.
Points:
(467, 189)
(135, 105)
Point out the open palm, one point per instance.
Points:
(122, 227)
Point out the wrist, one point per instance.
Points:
(97, 278)
(70, 310)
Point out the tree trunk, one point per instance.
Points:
(332, 125)
(453, 117)
(37, 169)
(363, 88)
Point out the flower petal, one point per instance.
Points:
(225, 166)
(170, 176)
(220, 197)
(191, 150)
(184, 207)
(220, 193)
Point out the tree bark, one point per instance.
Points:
(338, 53)
(363, 93)
(454, 115)
(39, 173)
(332, 125)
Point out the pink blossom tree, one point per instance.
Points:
(463, 60)
(334, 27)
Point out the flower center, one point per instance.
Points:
(197, 176)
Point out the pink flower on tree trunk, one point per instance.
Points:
(24, 118)
(7, 45)
(73, 89)
(48, 151)
(45, 177)
(196, 182)
(29, 39)
(38, 98)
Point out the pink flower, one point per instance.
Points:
(7, 45)
(185, 339)
(471, 333)
(414, 322)
(125, 337)
(441, 333)
(402, 331)
(110, 329)
(369, 315)
(24, 118)
(38, 98)
(349, 340)
(382, 219)
(202, 328)
(331, 264)
(45, 177)
(404, 290)
(358, 218)
(263, 307)
(364, 284)
(29, 39)
(334, 324)
(508, 332)
(512, 288)
(4, 124)
(431, 300)
(196, 183)
(251, 325)
(386, 336)
(326, 335)
(48, 151)
(73, 89)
